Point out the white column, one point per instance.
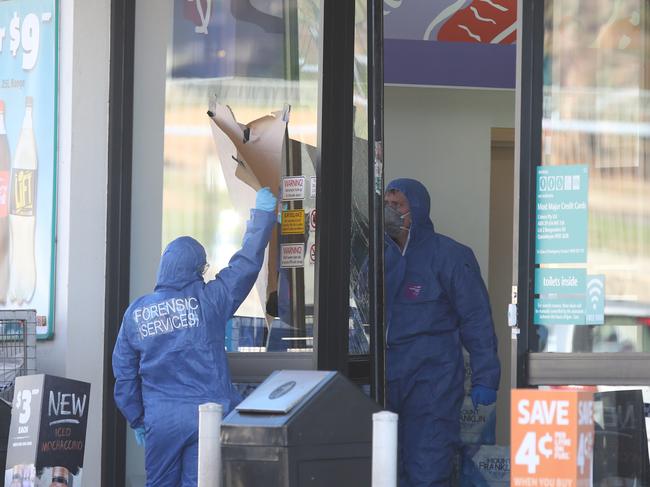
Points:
(384, 449)
(210, 444)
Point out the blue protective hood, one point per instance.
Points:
(181, 264)
(420, 204)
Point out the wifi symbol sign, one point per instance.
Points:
(596, 292)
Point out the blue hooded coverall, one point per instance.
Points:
(436, 303)
(170, 352)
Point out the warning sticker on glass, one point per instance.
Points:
(312, 181)
(312, 254)
(293, 188)
(293, 222)
(312, 219)
(292, 255)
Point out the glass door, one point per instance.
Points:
(584, 217)
(584, 246)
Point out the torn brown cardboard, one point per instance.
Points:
(251, 157)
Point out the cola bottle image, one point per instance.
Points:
(22, 213)
(5, 175)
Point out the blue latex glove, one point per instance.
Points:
(483, 395)
(265, 200)
(139, 435)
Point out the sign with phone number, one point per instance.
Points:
(552, 435)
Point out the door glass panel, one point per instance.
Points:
(359, 322)
(257, 57)
(596, 119)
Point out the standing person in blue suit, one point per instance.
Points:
(170, 353)
(436, 304)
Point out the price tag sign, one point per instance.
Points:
(47, 433)
(552, 437)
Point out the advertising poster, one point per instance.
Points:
(468, 43)
(552, 438)
(47, 435)
(28, 87)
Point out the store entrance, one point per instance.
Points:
(460, 145)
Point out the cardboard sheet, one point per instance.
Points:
(251, 157)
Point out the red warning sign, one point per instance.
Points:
(312, 254)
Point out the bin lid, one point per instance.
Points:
(282, 391)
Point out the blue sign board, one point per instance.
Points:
(562, 214)
(561, 298)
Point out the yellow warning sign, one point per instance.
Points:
(293, 222)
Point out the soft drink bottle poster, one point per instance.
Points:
(28, 114)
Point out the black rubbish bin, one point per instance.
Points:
(300, 428)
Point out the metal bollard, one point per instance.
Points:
(210, 445)
(384, 449)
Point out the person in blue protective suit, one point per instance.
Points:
(170, 352)
(436, 303)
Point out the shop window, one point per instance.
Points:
(592, 285)
(258, 58)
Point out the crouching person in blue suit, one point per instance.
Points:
(436, 303)
(170, 352)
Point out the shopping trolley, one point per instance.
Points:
(17, 348)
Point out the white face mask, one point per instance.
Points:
(394, 221)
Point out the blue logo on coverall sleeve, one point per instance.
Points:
(167, 316)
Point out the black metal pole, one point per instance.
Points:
(532, 44)
(118, 228)
(376, 198)
(333, 192)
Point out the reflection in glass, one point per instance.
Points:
(256, 57)
(621, 454)
(596, 112)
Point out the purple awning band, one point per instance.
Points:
(467, 64)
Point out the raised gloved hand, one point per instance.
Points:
(483, 395)
(139, 435)
(265, 200)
